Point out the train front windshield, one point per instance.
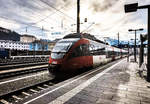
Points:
(61, 48)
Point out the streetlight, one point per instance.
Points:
(133, 8)
(135, 30)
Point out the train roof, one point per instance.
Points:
(83, 35)
(91, 38)
(69, 40)
(73, 35)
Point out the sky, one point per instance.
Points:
(42, 18)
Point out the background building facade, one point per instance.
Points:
(27, 38)
(13, 45)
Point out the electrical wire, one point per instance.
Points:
(43, 19)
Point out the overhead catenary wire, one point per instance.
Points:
(57, 10)
(34, 24)
(43, 19)
(24, 23)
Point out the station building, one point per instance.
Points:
(11, 40)
(27, 38)
(6, 34)
(51, 44)
(38, 45)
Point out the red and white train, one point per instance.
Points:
(71, 54)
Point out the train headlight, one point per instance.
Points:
(54, 62)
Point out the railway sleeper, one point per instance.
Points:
(3, 101)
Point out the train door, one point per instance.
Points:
(80, 57)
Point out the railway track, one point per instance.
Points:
(8, 67)
(5, 62)
(23, 70)
(21, 94)
(13, 69)
(23, 60)
(25, 92)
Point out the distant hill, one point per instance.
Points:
(6, 34)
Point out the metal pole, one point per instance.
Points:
(42, 43)
(26, 29)
(118, 39)
(128, 53)
(62, 24)
(78, 16)
(34, 49)
(148, 47)
(141, 52)
(135, 48)
(9, 53)
(106, 49)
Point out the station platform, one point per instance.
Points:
(119, 83)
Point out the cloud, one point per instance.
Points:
(108, 15)
(102, 5)
(9, 24)
(13, 10)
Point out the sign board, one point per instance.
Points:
(56, 33)
(131, 7)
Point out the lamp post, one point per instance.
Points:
(135, 30)
(118, 40)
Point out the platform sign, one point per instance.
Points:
(56, 33)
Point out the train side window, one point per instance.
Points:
(85, 49)
(91, 49)
(82, 50)
(97, 50)
(76, 52)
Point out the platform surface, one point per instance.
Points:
(117, 84)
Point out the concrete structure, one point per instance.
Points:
(13, 45)
(27, 38)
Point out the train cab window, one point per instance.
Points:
(60, 49)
